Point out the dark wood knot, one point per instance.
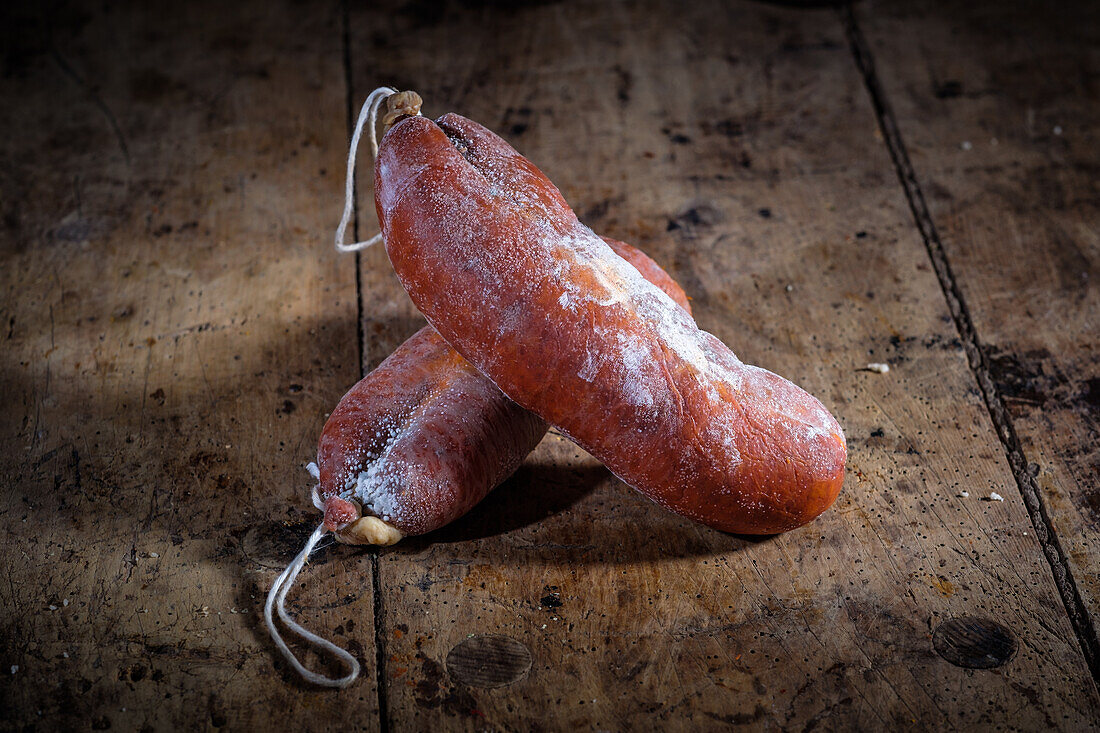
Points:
(488, 661)
(974, 643)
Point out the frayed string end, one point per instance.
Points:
(276, 600)
(315, 492)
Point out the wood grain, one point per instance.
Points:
(998, 107)
(739, 149)
(176, 326)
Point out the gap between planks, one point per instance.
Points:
(379, 654)
(1037, 511)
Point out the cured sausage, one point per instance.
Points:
(498, 263)
(423, 438)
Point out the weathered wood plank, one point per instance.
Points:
(738, 147)
(998, 106)
(176, 326)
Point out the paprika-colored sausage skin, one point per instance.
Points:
(423, 438)
(498, 263)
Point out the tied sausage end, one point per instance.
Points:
(344, 518)
(401, 104)
(369, 531)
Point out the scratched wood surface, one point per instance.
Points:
(740, 150)
(1002, 132)
(177, 327)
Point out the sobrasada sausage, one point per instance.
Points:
(498, 263)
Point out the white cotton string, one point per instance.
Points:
(276, 599)
(368, 117)
(315, 493)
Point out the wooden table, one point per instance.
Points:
(912, 183)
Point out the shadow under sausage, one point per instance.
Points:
(569, 515)
(535, 492)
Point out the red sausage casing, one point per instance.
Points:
(424, 437)
(498, 263)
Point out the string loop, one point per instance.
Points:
(368, 117)
(276, 597)
(276, 600)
